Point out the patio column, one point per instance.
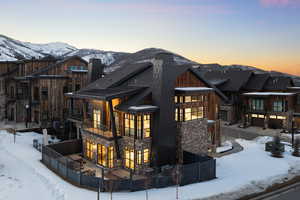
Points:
(114, 130)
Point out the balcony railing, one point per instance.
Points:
(98, 129)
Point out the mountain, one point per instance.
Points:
(145, 55)
(107, 57)
(12, 50)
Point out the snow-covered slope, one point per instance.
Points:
(107, 57)
(11, 49)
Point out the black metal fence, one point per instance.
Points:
(202, 170)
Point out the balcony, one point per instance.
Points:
(98, 129)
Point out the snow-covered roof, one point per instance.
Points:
(269, 94)
(79, 70)
(142, 107)
(193, 89)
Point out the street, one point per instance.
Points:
(293, 194)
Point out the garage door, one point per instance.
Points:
(276, 123)
(258, 122)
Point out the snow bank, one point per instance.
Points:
(251, 170)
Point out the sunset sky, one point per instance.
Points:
(261, 33)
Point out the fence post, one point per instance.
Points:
(199, 171)
(67, 169)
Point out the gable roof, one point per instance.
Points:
(229, 80)
(278, 83)
(257, 82)
(141, 75)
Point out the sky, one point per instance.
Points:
(261, 33)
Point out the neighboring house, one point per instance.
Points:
(235, 83)
(35, 89)
(269, 109)
(15, 91)
(146, 115)
(231, 83)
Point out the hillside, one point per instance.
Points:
(12, 50)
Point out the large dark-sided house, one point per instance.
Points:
(147, 114)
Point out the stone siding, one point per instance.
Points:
(194, 136)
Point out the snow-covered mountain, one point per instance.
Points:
(12, 50)
(107, 57)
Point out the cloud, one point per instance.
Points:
(280, 3)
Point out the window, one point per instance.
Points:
(139, 126)
(129, 125)
(139, 123)
(139, 157)
(97, 119)
(36, 94)
(187, 99)
(146, 155)
(110, 157)
(278, 106)
(89, 149)
(187, 114)
(129, 158)
(147, 126)
(105, 156)
(257, 104)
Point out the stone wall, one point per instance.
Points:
(194, 136)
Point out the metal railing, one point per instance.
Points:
(98, 129)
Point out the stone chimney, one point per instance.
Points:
(95, 70)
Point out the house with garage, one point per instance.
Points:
(148, 114)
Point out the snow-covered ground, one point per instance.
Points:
(226, 146)
(22, 176)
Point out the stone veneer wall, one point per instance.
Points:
(194, 136)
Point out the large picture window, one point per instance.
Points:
(141, 124)
(105, 156)
(142, 157)
(187, 114)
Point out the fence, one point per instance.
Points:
(202, 170)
